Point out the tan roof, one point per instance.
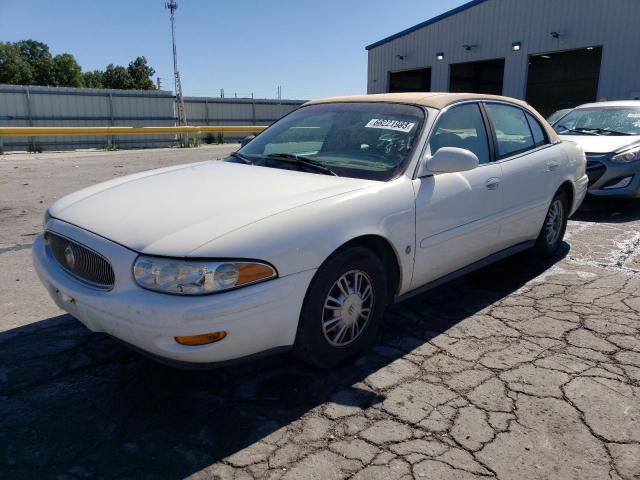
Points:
(438, 100)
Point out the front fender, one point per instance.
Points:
(302, 238)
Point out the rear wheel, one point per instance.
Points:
(343, 308)
(555, 224)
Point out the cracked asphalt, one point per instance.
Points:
(523, 370)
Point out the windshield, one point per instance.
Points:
(360, 140)
(600, 121)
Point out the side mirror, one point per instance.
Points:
(246, 140)
(448, 160)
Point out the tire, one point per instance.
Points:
(555, 223)
(324, 339)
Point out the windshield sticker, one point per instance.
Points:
(396, 125)
(633, 115)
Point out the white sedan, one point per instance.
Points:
(301, 238)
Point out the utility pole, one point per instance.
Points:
(159, 82)
(172, 6)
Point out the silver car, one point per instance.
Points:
(609, 133)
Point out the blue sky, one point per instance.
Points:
(311, 48)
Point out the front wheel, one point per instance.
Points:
(555, 224)
(343, 308)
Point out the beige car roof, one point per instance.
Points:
(438, 100)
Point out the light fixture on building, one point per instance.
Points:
(469, 47)
(440, 56)
(400, 57)
(590, 48)
(555, 34)
(516, 46)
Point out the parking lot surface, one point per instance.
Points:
(524, 370)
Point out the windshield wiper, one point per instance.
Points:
(614, 132)
(582, 131)
(306, 162)
(242, 157)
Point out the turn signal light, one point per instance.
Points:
(203, 339)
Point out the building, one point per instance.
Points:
(553, 53)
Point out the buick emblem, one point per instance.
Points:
(70, 256)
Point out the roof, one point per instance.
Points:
(450, 13)
(437, 100)
(619, 103)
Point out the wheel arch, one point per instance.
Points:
(567, 187)
(384, 250)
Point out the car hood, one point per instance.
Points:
(174, 211)
(601, 143)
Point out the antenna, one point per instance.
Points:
(172, 6)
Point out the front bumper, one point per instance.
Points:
(257, 318)
(603, 172)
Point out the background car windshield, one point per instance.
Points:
(361, 140)
(601, 121)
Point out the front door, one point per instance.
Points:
(457, 214)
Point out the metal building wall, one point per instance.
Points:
(80, 107)
(493, 25)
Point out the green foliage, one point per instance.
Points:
(116, 76)
(209, 139)
(141, 73)
(29, 62)
(220, 138)
(38, 56)
(93, 79)
(66, 71)
(14, 69)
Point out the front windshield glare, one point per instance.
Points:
(600, 121)
(361, 140)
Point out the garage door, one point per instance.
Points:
(477, 77)
(563, 79)
(418, 80)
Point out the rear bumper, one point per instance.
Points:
(580, 191)
(259, 318)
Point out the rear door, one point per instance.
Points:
(530, 165)
(457, 214)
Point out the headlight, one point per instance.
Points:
(47, 217)
(627, 156)
(197, 277)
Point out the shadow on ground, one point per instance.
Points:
(75, 404)
(608, 210)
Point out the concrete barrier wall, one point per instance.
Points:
(88, 107)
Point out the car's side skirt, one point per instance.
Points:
(495, 257)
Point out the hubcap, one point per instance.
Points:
(347, 308)
(553, 223)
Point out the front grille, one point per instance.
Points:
(81, 262)
(595, 168)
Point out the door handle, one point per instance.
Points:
(551, 166)
(493, 183)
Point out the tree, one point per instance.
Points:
(116, 76)
(94, 79)
(141, 73)
(38, 56)
(29, 62)
(14, 70)
(66, 71)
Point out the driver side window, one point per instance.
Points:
(462, 127)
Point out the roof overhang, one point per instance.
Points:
(450, 13)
